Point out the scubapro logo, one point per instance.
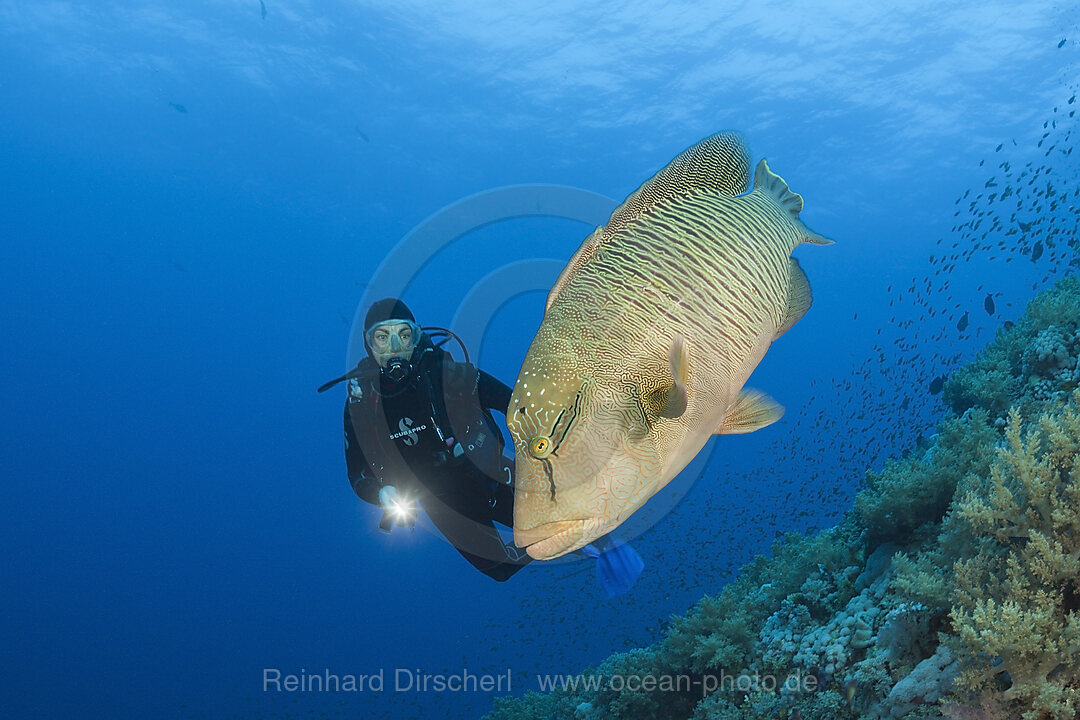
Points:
(408, 432)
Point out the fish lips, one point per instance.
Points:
(550, 540)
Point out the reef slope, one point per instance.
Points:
(950, 590)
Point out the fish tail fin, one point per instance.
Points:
(774, 185)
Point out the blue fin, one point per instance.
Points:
(617, 564)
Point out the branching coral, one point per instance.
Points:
(916, 490)
(1017, 609)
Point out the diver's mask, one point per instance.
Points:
(392, 343)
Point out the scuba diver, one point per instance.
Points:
(419, 430)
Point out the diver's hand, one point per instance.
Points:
(388, 501)
(388, 497)
(396, 509)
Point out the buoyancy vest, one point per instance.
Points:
(446, 427)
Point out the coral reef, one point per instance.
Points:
(1018, 597)
(915, 491)
(950, 590)
(1027, 363)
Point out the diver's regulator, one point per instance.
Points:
(397, 369)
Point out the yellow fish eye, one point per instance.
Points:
(540, 447)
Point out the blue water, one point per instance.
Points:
(194, 197)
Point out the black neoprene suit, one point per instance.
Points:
(392, 437)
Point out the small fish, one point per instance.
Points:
(937, 384)
(851, 688)
(963, 323)
(1036, 251)
(262, 9)
(988, 304)
(1061, 44)
(177, 107)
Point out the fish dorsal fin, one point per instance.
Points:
(799, 297)
(720, 164)
(670, 401)
(752, 411)
(579, 258)
(772, 184)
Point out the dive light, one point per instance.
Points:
(402, 512)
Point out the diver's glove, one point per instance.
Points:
(387, 497)
(395, 509)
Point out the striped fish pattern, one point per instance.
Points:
(649, 334)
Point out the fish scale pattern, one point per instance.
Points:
(686, 256)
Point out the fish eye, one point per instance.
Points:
(540, 447)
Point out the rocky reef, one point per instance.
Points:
(951, 590)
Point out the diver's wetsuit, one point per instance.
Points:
(432, 436)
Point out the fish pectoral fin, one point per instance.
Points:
(798, 300)
(752, 411)
(670, 401)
